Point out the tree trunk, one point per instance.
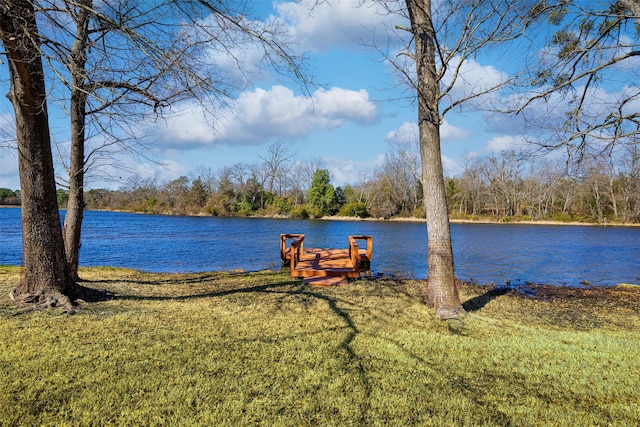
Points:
(612, 189)
(440, 290)
(46, 280)
(75, 205)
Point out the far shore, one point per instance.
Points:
(409, 219)
(483, 221)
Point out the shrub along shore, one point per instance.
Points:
(453, 220)
(259, 348)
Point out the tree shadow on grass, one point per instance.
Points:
(346, 345)
(88, 294)
(171, 278)
(286, 288)
(477, 303)
(266, 288)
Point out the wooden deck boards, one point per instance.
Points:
(325, 262)
(321, 266)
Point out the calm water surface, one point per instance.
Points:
(486, 253)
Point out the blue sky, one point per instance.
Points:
(347, 124)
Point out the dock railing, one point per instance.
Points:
(284, 251)
(296, 247)
(354, 253)
(364, 258)
(319, 262)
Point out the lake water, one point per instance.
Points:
(562, 255)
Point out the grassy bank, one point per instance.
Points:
(261, 349)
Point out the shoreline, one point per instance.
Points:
(394, 219)
(480, 221)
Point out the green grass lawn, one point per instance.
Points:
(262, 349)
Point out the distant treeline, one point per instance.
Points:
(12, 198)
(498, 188)
(9, 197)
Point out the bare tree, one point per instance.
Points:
(472, 187)
(133, 72)
(504, 178)
(407, 152)
(542, 188)
(631, 183)
(397, 187)
(442, 41)
(275, 165)
(594, 49)
(46, 280)
(300, 180)
(123, 64)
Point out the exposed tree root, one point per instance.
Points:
(45, 299)
(41, 300)
(439, 303)
(449, 313)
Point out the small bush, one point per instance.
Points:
(313, 212)
(211, 210)
(354, 209)
(419, 212)
(283, 206)
(562, 217)
(245, 208)
(299, 213)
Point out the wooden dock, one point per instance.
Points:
(325, 267)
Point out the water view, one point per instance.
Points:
(498, 253)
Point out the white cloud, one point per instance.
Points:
(169, 170)
(473, 79)
(164, 171)
(237, 59)
(262, 115)
(476, 83)
(347, 171)
(344, 103)
(451, 166)
(546, 118)
(7, 130)
(188, 127)
(9, 176)
(320, 25)
(238, 64)
(161, 170)
(631, 92)
(602, 103)
(9, 163)
(504, 123)
(342, 171)
(503, 143)
(408, 133)
(450, 133)
(302, 27)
